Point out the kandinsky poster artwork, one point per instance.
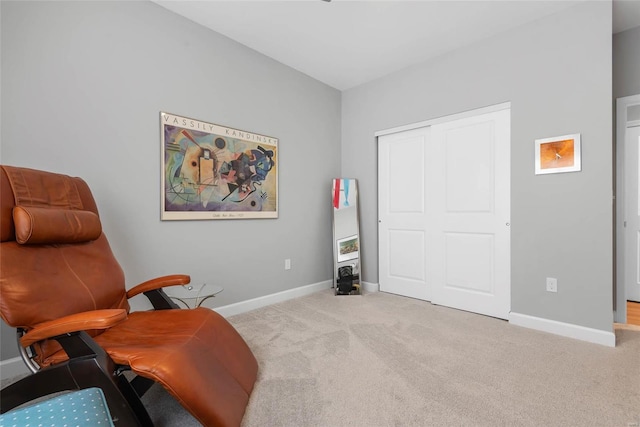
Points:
(215, 172)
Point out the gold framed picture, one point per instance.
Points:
(558, 154)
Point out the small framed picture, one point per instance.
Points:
(347, 248)
(558, 154)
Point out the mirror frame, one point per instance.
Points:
(346, 233)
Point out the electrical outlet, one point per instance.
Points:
(552, 284)
(287, 264)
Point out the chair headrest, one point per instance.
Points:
(39, 207)
(39, 226)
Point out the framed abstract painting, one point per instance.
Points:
(216, 172)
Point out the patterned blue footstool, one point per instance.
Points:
(82, 408)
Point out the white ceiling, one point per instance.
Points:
(346, 43)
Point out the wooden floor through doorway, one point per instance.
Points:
(633, 313)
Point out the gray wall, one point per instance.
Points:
(82, 87)
(556, 72)
(626, 63)
(82, 84)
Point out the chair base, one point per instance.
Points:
(93, 369)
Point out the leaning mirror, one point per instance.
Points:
(346, 237)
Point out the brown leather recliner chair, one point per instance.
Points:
(64, 291)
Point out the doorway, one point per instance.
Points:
(444, 207)
(627, 204)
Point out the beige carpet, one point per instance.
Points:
(385, 360)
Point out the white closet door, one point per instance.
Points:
(470, 254)
(444, 207)
(401, 213)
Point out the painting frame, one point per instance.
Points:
(558, 154)
(348, 248)
(211, 171)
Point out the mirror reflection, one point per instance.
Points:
(346, 237)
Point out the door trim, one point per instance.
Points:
(444, 119)
(620, 307)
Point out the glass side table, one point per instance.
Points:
(192, 296)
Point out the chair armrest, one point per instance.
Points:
(158, 283)
(97, 319)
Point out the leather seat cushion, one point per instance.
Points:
(171, 347)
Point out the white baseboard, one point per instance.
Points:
(13, 367)
(569, 330)
(370, 287)
(252, 304)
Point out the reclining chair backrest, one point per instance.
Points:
(55, 259)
